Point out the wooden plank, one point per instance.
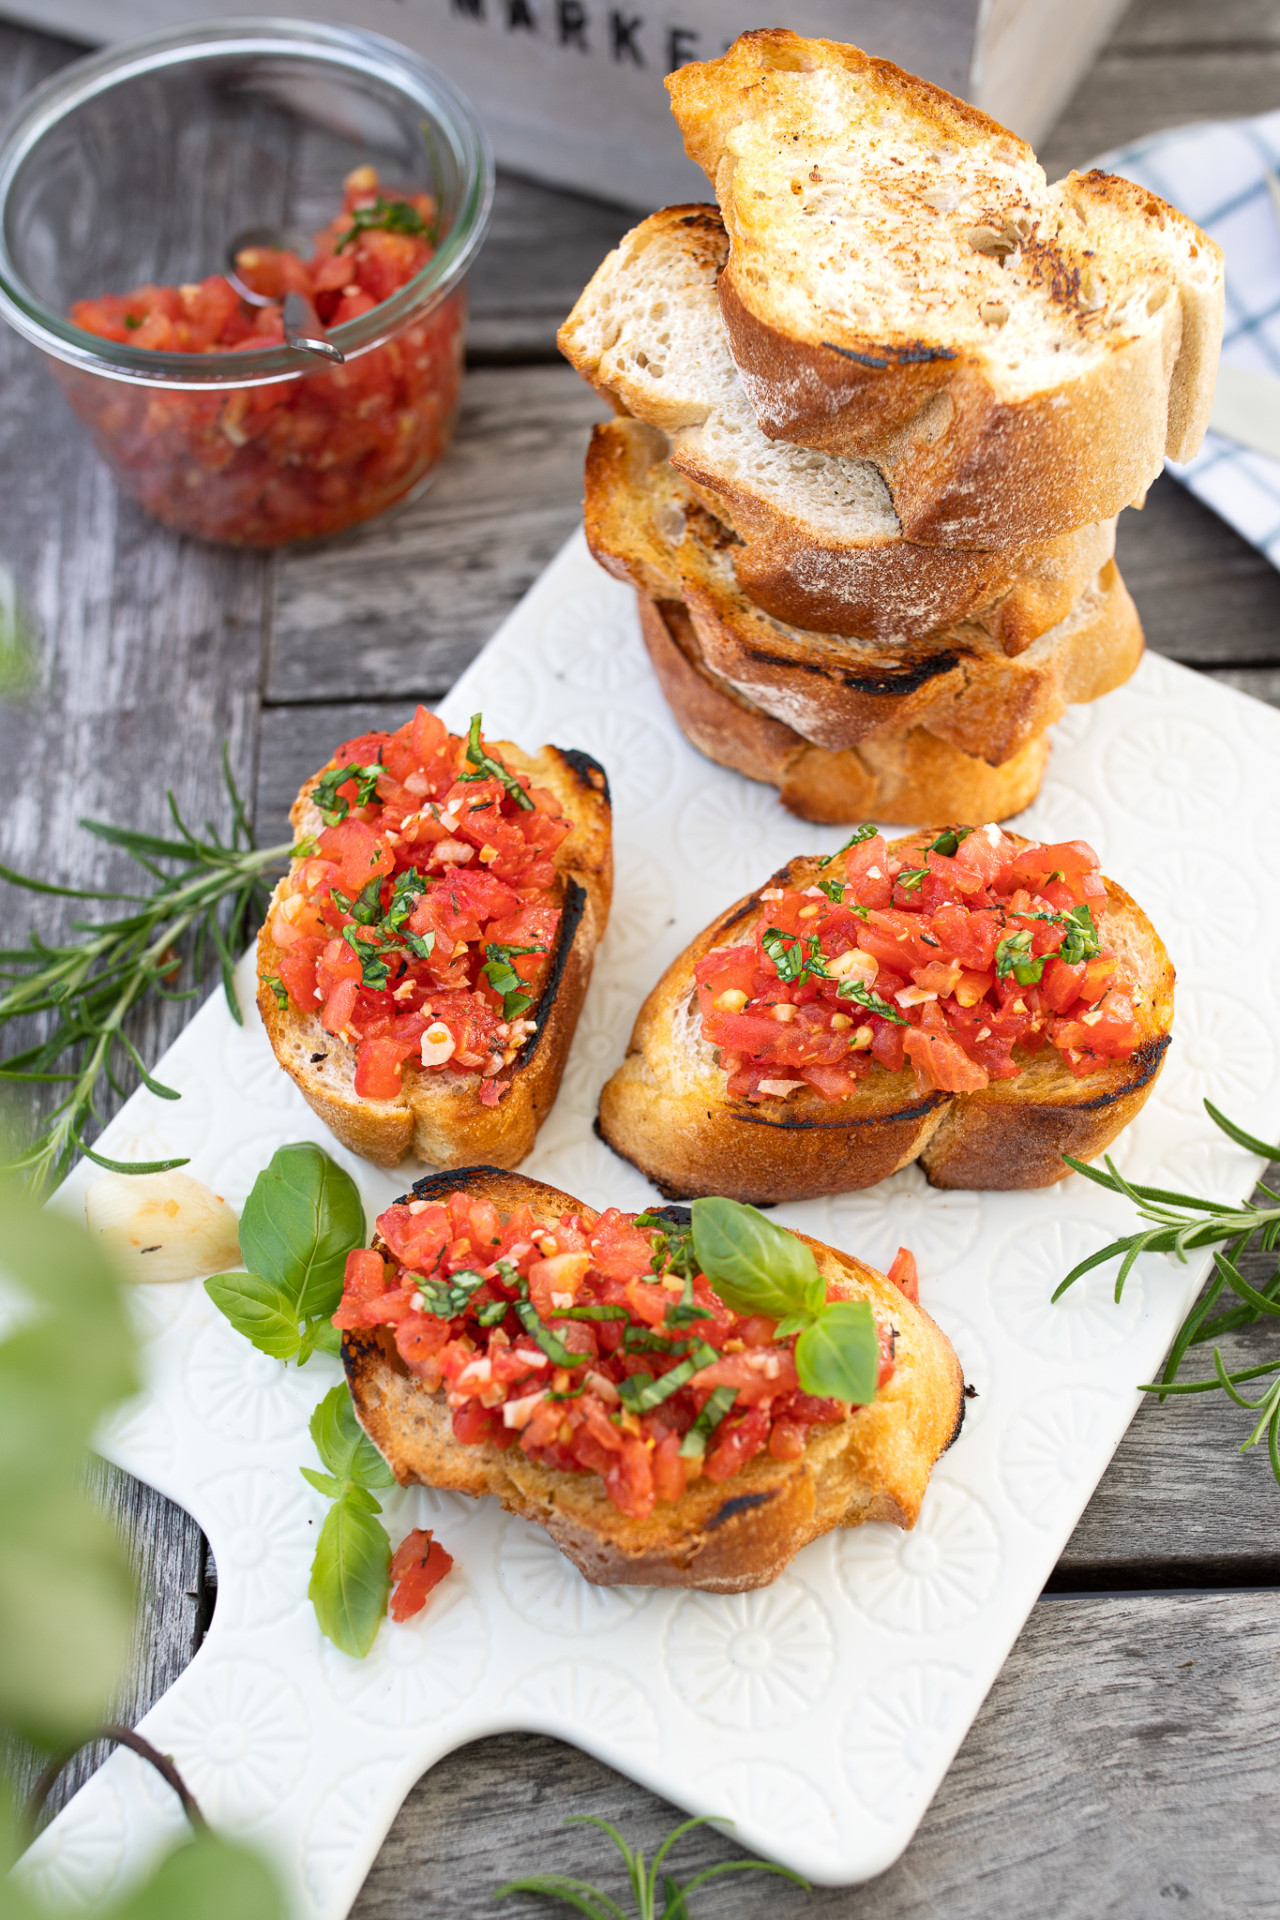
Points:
(400, 607)
(1128, 93)
(150, 658)
(1125, 1763)
(1206, 597)
(1185, 26)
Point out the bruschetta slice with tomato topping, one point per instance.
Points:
(424, 961)
(970, 999)
(502, 1338)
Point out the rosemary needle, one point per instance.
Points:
(210, 889)
(1179, 1223)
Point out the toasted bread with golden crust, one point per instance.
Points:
(721, 1538)
(644, 524)
(1017, 358)
(910, 776)
(822, 544)
(438, 1116)
(667, 1110)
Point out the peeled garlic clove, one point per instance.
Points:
(163, 1226)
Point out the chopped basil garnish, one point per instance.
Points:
(834, 890)
(1082, 941)
(948, 843)
(672, 1248)
(487, 768)
(366, 908)
(640, 1393)
(1014, 956)
(854, 990)
(373, 962)
(594, 1310)
(504, 979)
(279, 989)
(694, 1444)
(786, 952)
(386, 216)
(492, 1312)
(910, 878)
(865, 832)
(558, 1354)
(334, 806)
(446, 1299)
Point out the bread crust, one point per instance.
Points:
(721, 1539)
(666, 1108)
(975, 448)
(643, 524)
(438, 1116)
(911, 776)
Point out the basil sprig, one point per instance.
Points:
(487, 768)
(301, 1220)
(350, 1574)
(757, 1267)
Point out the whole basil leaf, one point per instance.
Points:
(755, 1266)
(343, 1444)
(350, 1575)
(300, 1222)
(838, 1357)
(263, 1313)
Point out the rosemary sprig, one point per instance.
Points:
(589, 1900)
(211, 890)
(1179, 1223)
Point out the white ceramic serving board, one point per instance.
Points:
(821, 1713)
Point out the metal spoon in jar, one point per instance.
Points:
(302, 328)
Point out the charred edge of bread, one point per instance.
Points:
(722, 1539)
(575, 902)
(1011, 1136)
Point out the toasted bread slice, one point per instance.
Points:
(721, 1538)
(911, 776)
(644, 525)
(667, 1109)
(904, 286)
(893, 594)
(438, 1116)
(819, 530)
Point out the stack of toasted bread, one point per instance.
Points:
(878, 415)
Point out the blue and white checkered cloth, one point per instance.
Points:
(1216, 173)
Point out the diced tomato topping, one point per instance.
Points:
(903, 1274)
(947, 958)
(418, 1564)
(292, 459)
(568, 1405)
(420, 960)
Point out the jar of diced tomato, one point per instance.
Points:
(124, 180)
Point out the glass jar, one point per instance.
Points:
(138, 165)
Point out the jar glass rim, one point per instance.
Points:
(448, 112)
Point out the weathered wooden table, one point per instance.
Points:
(1126, 1763)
